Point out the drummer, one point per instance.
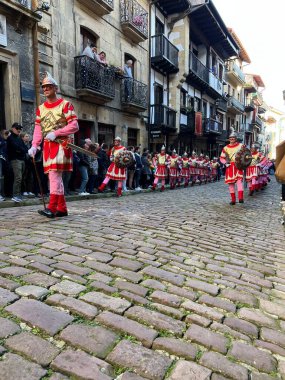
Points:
(114, 172)
(233, 174)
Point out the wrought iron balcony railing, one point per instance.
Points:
(134, 94)
(235, 103)
(162, 116)
(94, 79)
(198, 68)
(215, 83)
(233, 68)
(134, 20)
(99, 7)
(164, 55)
(187, 123)
(213, 126)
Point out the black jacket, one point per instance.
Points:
(16, 148)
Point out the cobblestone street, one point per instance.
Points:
(176, 285)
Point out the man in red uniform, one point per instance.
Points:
(233, 174)
(160, 162)
(185, 169)
(114, 172)
(252, 171)
(174, 166)
(55, 122)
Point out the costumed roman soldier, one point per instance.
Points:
(55, 122)
(193, 169)
(174, 166)
(233, 174)
(115, 172)
(214, 169)
(252, 171)
(185, 169)
(160, 162)
(207, 169)
(200, 169)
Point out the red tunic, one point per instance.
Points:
(228, 155)
(160, 163)
(113, 172)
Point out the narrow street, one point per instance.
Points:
(176, 285)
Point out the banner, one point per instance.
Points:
(198, 124)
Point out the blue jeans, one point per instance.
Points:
(83, 170)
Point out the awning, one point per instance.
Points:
(169, 7)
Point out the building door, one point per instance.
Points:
(106, 133)
(85, 131)
(158, 101)
(2, 103)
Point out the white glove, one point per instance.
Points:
(51, 136)
(32, 151)
(227, 165)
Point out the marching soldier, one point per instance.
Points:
(185, 169)
(174, 166)
(233, 174)
(252, 171)
(115, 172)
(160, 162)
(55, 122)
(193, 170)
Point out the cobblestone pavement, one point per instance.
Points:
(176, 285)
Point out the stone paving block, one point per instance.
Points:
(7, 297)
(58, 376)
(99, 256)
(40, 279)
(124, 325)
(217, 302)
(130, 376)
(8, 284)
(14, 271)
(48, 252)
(257, 317)
(207, 338)
(175, 313)
(219, 363)
(16, 261)
(242, 326)
(132, 265)
(256, 280)
(33, 347)
(104, 301)
(202, 286)
(182, 292)
(261, 376)
(55, 245)
(134, 298)
(80, 365)
(134, 288)
(7, 327)
(70, 258)
(103, 287)
(78, 251)
(165, 298)
(147, 363)
(41, 259)
(38, 314)
(227, 330)
(224, 270)
(203, 310)
(176, 347)
(273, 308)
(237, 296)
(128, 275)
(73, 305)
(184, 370)
(273, 336)
(270, 347)
(72, 268)
(12, 365)
(95, 340)
(153, 284)
(98, 266)
(32, 291)
(157, 320)
(100, 277)
(68, 288)
(259, 359)
(40, 267)
(197, 320)
(163, 275)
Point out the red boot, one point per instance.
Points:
(101, 187)
(61, 207)
(162, 188)
(153, 187)
(119, 192)
(53, 200)
(240, 196)
(233, 196)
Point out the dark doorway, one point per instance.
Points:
(106, 134)
(2, 97)
(84, 132)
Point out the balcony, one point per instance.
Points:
(257, 122)
(99, 7)
(215, 84)
(246, 128)
(222, 104)
(249, 105)
(250, 84)
(257, 98)
(235, 105)
(234, 72)
(187, 123)
(93, 81)
(212, 126)
(164, 55)
(133, 95)
(198, 72)
(23, 8)
(163, 117)
(134, 20)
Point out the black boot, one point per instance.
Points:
(46, 212)
(59, 214)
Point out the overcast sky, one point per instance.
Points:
(260, 25)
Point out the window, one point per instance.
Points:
(197, 104)
(159, 27)
(158, 94)
(87, 38)
(130, 57)
(183, 99)
(132, 137)
(221, 72)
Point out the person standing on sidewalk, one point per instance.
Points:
(233, 174)
(55, 118)
(139, 166)
(3, 161)
(17, 151)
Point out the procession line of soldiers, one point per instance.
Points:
(256, 174)
(183, 170)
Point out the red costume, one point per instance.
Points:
(160, 163)
(185, 169)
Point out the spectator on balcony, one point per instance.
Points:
(102, 58)
(128, 74)
(91, 52)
